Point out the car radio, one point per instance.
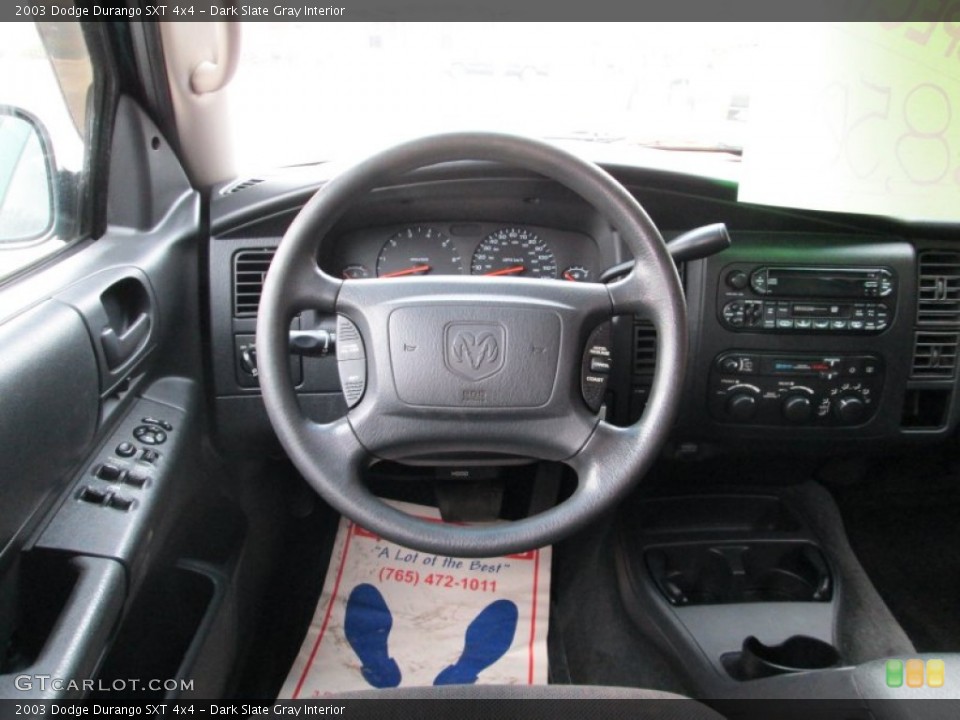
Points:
(791, 299)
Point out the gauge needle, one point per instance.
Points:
(507, 271)
(408, 271)
(568, 276)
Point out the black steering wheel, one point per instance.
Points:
(467, 367)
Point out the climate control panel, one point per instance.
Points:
(761, 388)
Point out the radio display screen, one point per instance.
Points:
(817, 283)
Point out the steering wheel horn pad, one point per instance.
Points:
(471, 366)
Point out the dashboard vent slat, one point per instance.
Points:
(938, 302)
(241, 185)
(644, 365)
(249, 269)
(935, 355)
(644, 351)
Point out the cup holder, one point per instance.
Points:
(712, 574)
(798, 653)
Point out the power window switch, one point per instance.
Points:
(110, 472)
(136, 479)
(118, 502)
(92, 495)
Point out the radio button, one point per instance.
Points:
(803, 324)
(737, 279)
(821, 324)
(785, 324)
(856, 324)
(758, 281)
(838, 325)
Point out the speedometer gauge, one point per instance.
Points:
(514, 251)
(418, 251)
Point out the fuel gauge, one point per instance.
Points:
(576, 273)
(355, 272)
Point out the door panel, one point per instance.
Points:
(100, 365)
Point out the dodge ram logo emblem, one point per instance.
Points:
(474, 350)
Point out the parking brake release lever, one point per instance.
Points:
(694, 244)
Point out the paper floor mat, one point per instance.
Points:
(392, 617)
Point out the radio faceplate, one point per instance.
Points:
(762, 388)
(794, 299)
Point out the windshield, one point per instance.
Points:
(849, 117)
(326, 90)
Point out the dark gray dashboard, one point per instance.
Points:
(821, 383)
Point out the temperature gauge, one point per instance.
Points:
(355, 272)
(576, 273)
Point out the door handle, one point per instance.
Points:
(119, 348)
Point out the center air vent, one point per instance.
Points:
(934, 355)
(939, 284)
(249, 269)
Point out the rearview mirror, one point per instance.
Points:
(26, 178)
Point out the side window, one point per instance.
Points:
(46, 84)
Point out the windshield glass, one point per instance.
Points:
(847, 117)
(328, 89)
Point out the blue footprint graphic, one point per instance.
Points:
(367, 626)
(487, 640)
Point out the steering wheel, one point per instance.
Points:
(469, 367)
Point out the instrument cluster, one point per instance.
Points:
(464, 248)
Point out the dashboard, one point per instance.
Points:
(815, 331)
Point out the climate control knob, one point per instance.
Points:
(797, 409)
(850, 409)
(742, 406)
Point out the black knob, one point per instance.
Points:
(737, 279)
(742, 406)
(797, 409)
(850, 409)
(730, 365)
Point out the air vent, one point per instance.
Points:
(240, 185)
(934, 355)
(939, 282)
(644, 364)
(644, 351)
(249, 269)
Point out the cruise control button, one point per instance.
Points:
(599, 365)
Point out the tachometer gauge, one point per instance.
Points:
(355, 272)
(576, 273)
(514, 251)
(418, 251)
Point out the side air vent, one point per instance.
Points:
(939, 283)
(644, 363)
(239, 185)
(249, 269)
(934, 355)
(644, 351)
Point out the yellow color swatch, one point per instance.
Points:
(935, 673)
(914, 673)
